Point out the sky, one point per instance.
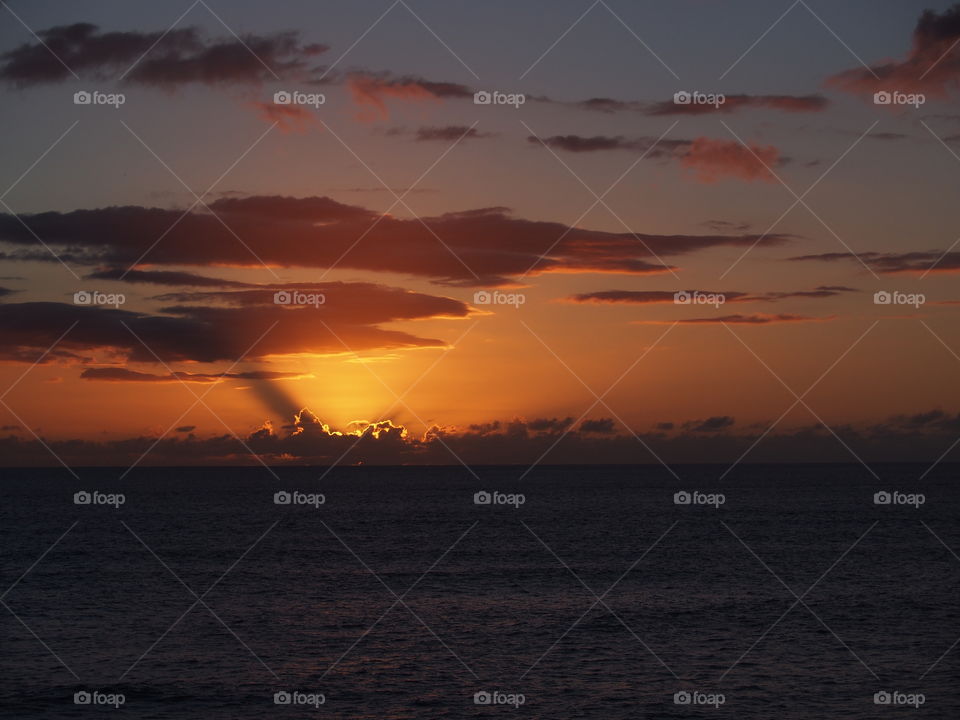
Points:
(387, 269)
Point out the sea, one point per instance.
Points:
(778, 591)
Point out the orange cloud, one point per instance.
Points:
(289, 118)
(714, 160)
(371, 91)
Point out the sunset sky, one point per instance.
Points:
(399, 198)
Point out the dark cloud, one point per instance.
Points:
(186, 428)
(931, 67)
(711, 424)
(124, 375)
(597, 143)
(179, 57)
(665, 148)
(550, 424)
(653, 297)
(600, 426)
(307, 440)
(909, 262)
(755, 319)
(709, 158)
(641, 297)
(733, 103)
(351, 317)
(608, 105)
(727, 226)
(451, 133)
(164, 277)
(486, 246)
(370, 91)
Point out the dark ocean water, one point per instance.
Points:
(297, 598)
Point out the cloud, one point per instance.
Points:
(580, 144)
(755, 319)
(305, 439)
(931, 67)
(934, 261)
(733, 103)
(372, 90)
(289, 118)
(714, 160)
(124, 375)
(348, 321)
(448, 134)
(550, 424)
(603, 143)
(727, 226)
(711, 424)
(486, 246)
(178, 57)
(640, 297)
(451, 134)
(711, 159)
(164, 277)
(600, 426)
(653, 297)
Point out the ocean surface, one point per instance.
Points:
(780, 592)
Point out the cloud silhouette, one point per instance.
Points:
(307, 440)
(482, 247)
(934, 261)
(755, 319)
(349, 321)
(118, 374)
(178, 57)
(733, 103)
(931, 67)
